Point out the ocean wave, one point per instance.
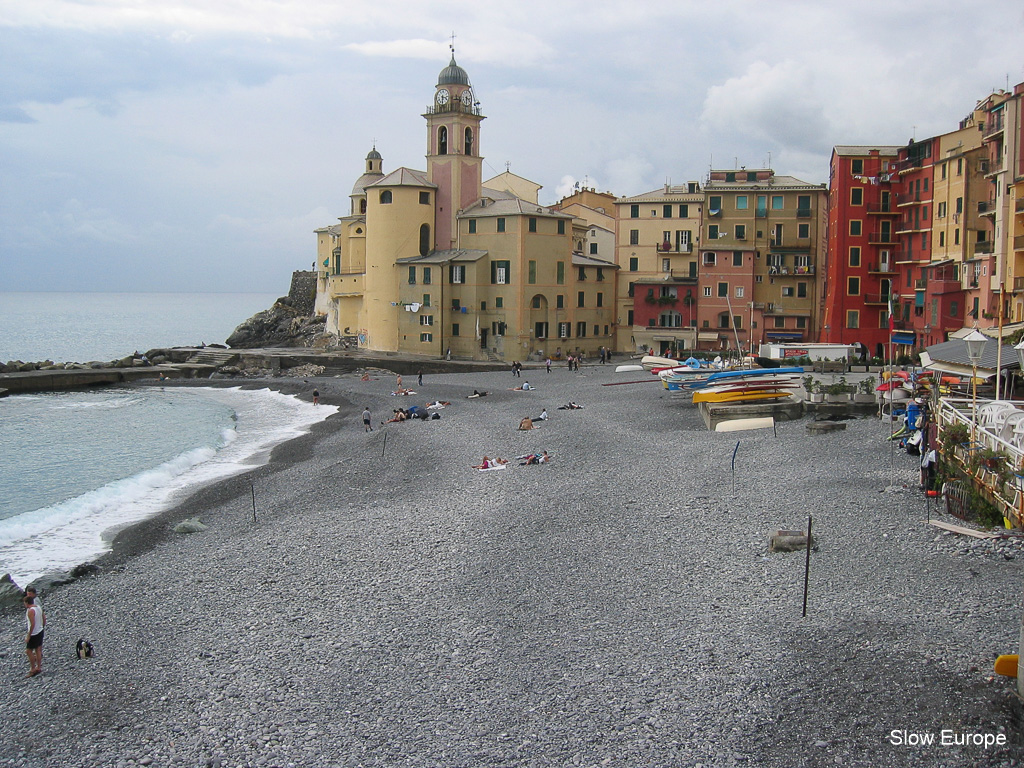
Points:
(71, 532)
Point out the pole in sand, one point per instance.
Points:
(385, 446)
(807, 564)
(252, 488)
(734, 450)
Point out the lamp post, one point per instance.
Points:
(975, 342)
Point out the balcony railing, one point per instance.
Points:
(882, 209)
(882, 238)
(987, 207)
(984, 246)
(876, 298)
(883, 267)
(790, 271)
(1018, 207)
(1018, 284)
(669, 248)
(761, 213)
(1018, 243)
(920, 285)
(803, 213)
(995, 126)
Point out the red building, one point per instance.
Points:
(862, 246)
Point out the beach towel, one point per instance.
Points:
(496, 466)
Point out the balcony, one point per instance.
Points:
(995, 126)
(987, 207)
(876, 299)
(984, 246)
(882, 238)
(1018, 284)
(803, 213)
(761, 213)
(1018, 243)
(790, 271)
(882, 268)
(882, 210)
(920, 285)
(1018, 207)
(669, 248)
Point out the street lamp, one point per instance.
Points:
(975, 342)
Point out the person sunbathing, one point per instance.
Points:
(489, 463)
(524, 387)
(437, 405)
(398, 415)
(477, 394)
(543, 415)
(570, 406)
(534, 458)
(526, 423)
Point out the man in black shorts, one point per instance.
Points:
(36, 621)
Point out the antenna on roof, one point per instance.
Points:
(452, 44)
(507, 166)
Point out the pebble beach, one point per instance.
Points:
(391, 606)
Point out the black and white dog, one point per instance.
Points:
(83, 649)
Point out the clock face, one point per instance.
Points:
(467, 98)
(442, 96)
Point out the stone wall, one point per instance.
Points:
(303, 291)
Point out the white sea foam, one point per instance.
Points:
(72, 532)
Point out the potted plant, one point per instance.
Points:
(813, 388)
(838, 392)
(952, 436)
(865, 391)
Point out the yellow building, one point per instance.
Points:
(439, 262)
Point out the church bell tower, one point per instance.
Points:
(454, 163)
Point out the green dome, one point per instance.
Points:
(453, 74)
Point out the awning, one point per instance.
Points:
(903, 337)
(783, 335)
(953, 369)
(707, 337)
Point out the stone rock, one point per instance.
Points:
(231, 370)
(50, 581)
(10, 593)
(788, 541)
(280, 326)
(25, 367)
(192, 525)
(821, 427)
(85, 569)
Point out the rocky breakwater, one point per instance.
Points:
(283, 325)
(136, 360)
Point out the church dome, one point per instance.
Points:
(359, 188)
(453, 74)
(374, 155)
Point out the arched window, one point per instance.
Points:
(442, 140)
(385, 197)
(362, 205)
(424, 239)
(469, 141)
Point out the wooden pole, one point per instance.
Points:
(807, 564)
(385, 447)
(252, 488)
(734, 450)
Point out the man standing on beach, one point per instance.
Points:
(366, 420)
(419, 378)
(316, 397)
(36, 621)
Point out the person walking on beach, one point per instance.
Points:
(316, 397)
(366, 420)
(547, 364)
(419, 378)
(36, 621)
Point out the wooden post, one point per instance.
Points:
(253, 489)
(385, 446)
(807, 564)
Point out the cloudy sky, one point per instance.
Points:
(181, 145)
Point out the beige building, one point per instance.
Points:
(761, 259)
(439, 262)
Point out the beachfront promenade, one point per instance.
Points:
(392, 606)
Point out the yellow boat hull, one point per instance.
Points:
(735, 397)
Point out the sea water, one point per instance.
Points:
(78, 465)
(75, 466)
(81, 327)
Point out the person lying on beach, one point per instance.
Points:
(570, 406)
(534, 458)
(524, 387)
(477, 394)
(403, 391)
(488, 463)
(437, 405)
(526, 423)
(399, 415)
(543, 415)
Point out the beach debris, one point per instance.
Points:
(192, 525)
(788, 541)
